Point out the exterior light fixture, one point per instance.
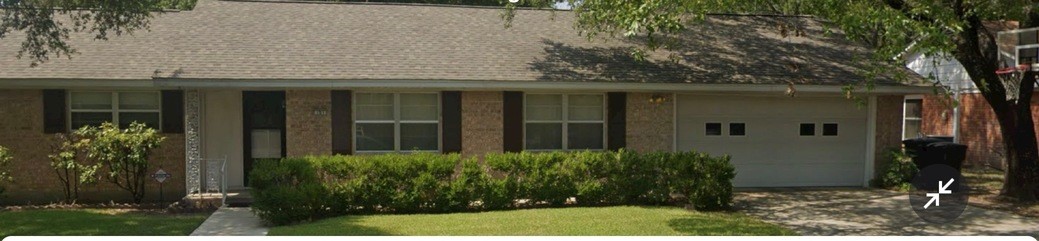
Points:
(657, 99)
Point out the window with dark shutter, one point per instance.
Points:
(512, 121)
(616, 114)
(173, 111)
(342, 122)
(54, 110)
(451, 121)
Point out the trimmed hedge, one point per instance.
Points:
(301, 189)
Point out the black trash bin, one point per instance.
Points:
(948, 153)
(927, 151)
(944, 138)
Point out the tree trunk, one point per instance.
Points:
(1021, 180)
(976, 50)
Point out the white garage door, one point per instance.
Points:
(802, 141)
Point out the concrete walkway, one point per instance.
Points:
(870, 212)
(231, 222)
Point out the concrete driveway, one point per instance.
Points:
(869, 212)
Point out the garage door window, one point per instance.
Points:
(830, 129)
(737, 129)
(565, 122)
(807, 129)
(713, 129)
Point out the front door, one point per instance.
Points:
(263, 122)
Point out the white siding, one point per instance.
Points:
(946, 70)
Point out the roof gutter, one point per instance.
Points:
(524, 85)
(179, 83)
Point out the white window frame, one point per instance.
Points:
(565, 121)
(906, 118)
(396, 123)
(114, 111)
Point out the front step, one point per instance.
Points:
(240, 198)
(239, 202)
(235, 198)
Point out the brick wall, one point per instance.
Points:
(21, 130)
(650, 126)
(979, 129)
(888, 129)
(308, 122)
(481, 122)
(937, 115)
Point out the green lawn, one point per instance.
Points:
(559, 221)
(95, 222)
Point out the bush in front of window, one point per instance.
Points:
(122, 154)
(302, 189)
(70, 164)
(291, 190)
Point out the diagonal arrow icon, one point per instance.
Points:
(942, 189)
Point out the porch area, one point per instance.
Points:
(225, 131)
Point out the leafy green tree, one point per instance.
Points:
(46, 25)
(123, 154)
(5, 169)
(953, 28)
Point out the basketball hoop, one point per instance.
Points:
(1011, 78)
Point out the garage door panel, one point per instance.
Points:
(798, 175)
(776, 107)
(772, 153)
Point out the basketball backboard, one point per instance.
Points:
(1018, 47)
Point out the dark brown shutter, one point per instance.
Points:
(342, 122)
(617, 118)
(451, 109)
(54, 110)
(512, 121)
(173, 111)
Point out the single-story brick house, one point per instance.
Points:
(246, 80)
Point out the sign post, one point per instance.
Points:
(161, 176)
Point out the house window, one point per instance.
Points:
(807, 129)
(91, 108)
(737, 129)
(397, 122)
(912, 118)
(830, 129)
(565, 122)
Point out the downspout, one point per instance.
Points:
(956, 113)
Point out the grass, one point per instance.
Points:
(985, 186)
(95, 222)
(626, 220)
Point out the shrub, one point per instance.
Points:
(287, 190)
(123, 153)
(302, 189)
(898, 173)
(70, 165)
(5, 169)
